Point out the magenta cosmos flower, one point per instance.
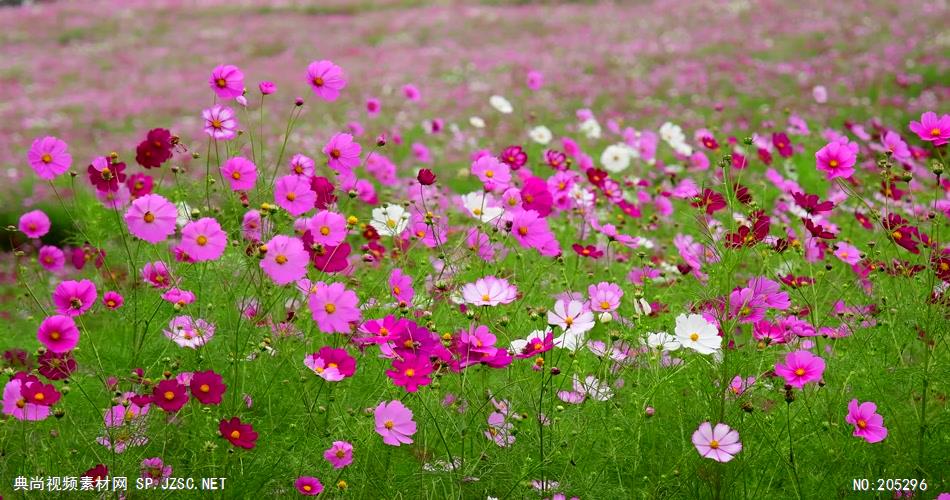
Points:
(532, 231)
(285, 260)
(49, 158)
(340, 454)
(343, 153)
(331, 364)
(720, 443)
(800, 368)
(73, 298)
(58, 333)
(494, 174)
(169, 395)
(394, 423)
(112, 300)
(207, 387)
(535, 80)
(930, 128)
(308, 486)
(34, 224)
(837, 158)
(411, 371)
(326, 79)
(868, 424)
(604, 296)
(151, 218)
(489, 291)
(848, 254)
(227, 81)
(334, 307)
(328, 228)
(51, 258)
(293, 194)
(18, 404)
(400, 284)
(203, 240)
(220, 122)
(240, 173)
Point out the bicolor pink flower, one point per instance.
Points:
(73, 298)
(342, 152)
(500, 429)
(930, 128)
(51, 258)
(800, 368)
(537, 342)
(285, 260)
(157, 274)
(179, 297)
(848, 253)
(837, 158)
(411, 371)
(394, 423)
(34, 224)
(293, 194)
(400, 284)
(156, 470)
(331, 364)
(327, 228)
(15, 402)
(220, 122)
(227, 81)
(604, 297)
(720, 443)
(58, 333)
(308, 486)
(334, 307)
(151, 218)
(49, 158)
(494, 174)
(203, 240)
(302, 165)
(326, 79)
(339, 455)
(188, 332)
(240, 173)
(489, 291)
(868, 424)
(112, 300)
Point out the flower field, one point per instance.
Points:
(407, 249)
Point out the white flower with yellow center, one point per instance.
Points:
(694, 332)
(482, 206)
(390, 220)
(541, 134)
(500, 104)
(616, 158)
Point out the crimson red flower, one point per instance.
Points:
(941, 267)
(535, 196)
(765, 156)
(817, 230)
(630, 209)
(589, 251)
(324, 189)
(241, 435)
(812, 203)
(711, 200)
(56, 366)
(99, 472)
(556, 159)
(596, 176)
(207, 387)
(105, 174)
(864, 220)
(710, 143)
(155, 149)
(742, 194)
(514, 157)
(782, 144)
(749, 236)
(169, 395)
(426, 177)
(38, 393)
(328, 259)
(796, 281)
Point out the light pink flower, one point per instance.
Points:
(334, 307)
(326, 79)
(49, 158)
(203, 240)
(720, 443)
(240, 173)
(285, 260)
(151, 218)
(604, 296)
(394, 423)
(34, 224)
(227, 81)
(489, 291)
(220, 122)
(328, 228)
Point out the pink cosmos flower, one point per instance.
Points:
(301, 165)
(494, 174)
(489, 291)
(532, 231)
(326, 79)
(394, 423)
(331, 364)
(342, 152)
(400, 285)
(157, 274)
(58, 333)
(112, 300)
(837, 158)
(179, 297)
(251, 226)
(500, 429)
(328, 228)
(537, 342)
(604, 296)
(151, 218)
(372, 106)
(240, 173)
(227, 81)
(267, 87)
(308, 486)
(930, 128)
(411, 92)
(285, 260)
(848, 253)
(156, 470)
(203, 240)
(220, 122)
(720, 443)
(73, 298)
(334, 307)
(800, 368)
(51, 258)
(411, 371)
(34, 224)
(15, 402)
(188, 332)
(293, 194)
(339, 455)
(535, 80)
(49, 158)
(868, 424)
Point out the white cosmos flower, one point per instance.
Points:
(662, 341)
(541, 134)
(576, 322)
(184, 214)
(672, 133)
(590, 128)
(390, 220)
(501, 104)
(616, 158)
(482, 206)
(536, 337)
(476, 122)
(694, 332)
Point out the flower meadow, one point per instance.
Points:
(588, 250)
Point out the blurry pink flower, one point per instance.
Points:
(340, 454)
(251, 226)
(531, 231)
(285, 260)
(188, 332)
(421, 153)
(400, 284)
(112, 300)
(49, 158)
(837, 158)
(489, 291)
(151, 218)
(203, 240)
(334, 307)
(868, 424)
(156, 470)
(848, 253)
(240, 173)
(820, 93)
(328, 228)
(800, 368)
(293, 194)
(372, 106)
(604, 296)
(227, 81)
(500, 429)
(179, 297)
(720, 443)
(34, 224)
(73, 298)
(220, 122)
(892, 142)
(394, 423)
(58, 333)
(930, 128)
(411, 92)
(267, 87)
(343, 153)
(51, 258)
(535, 80)
(326, 79)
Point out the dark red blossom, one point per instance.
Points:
(106, 175)
(596, 176)
(535, 196)
(812, 203)
(796, 281)
(782, 144)
(710, 143)
(711, 201)
(747, 236)
(589, 251)
(139, 184)
(38, 393)
(514, 157)
(556, 159)
(169, 395)
(98, 473)
(425, 177)
(324, 189)
(56, 366)
(325, 258)
(765, 156)
(207, 387)
(156, 149)
(237, 433)
(817, 230)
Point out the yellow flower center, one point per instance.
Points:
(39, 396)
(47, 158)
(325, 230)
(205, 388)
(391, 223)
(235, 434)
(235, 175)
(202, 240)
(935, 132)
(489, 174)
(862, 423)
(799, 371)
(605, 305)
(340, 453)
(216, 123)
(149, 217)
(410, 372)
(329, 308)
(523, 231)
(485, 298)
(55, 335)
(318, 81)
(833, 163)
(714, 444)
(694, 336)
(291, 196)
(396, 290)
(169, 395)
(280, 259)
(569, 321)
(222, 82)
(389, 424)
(307, 487)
